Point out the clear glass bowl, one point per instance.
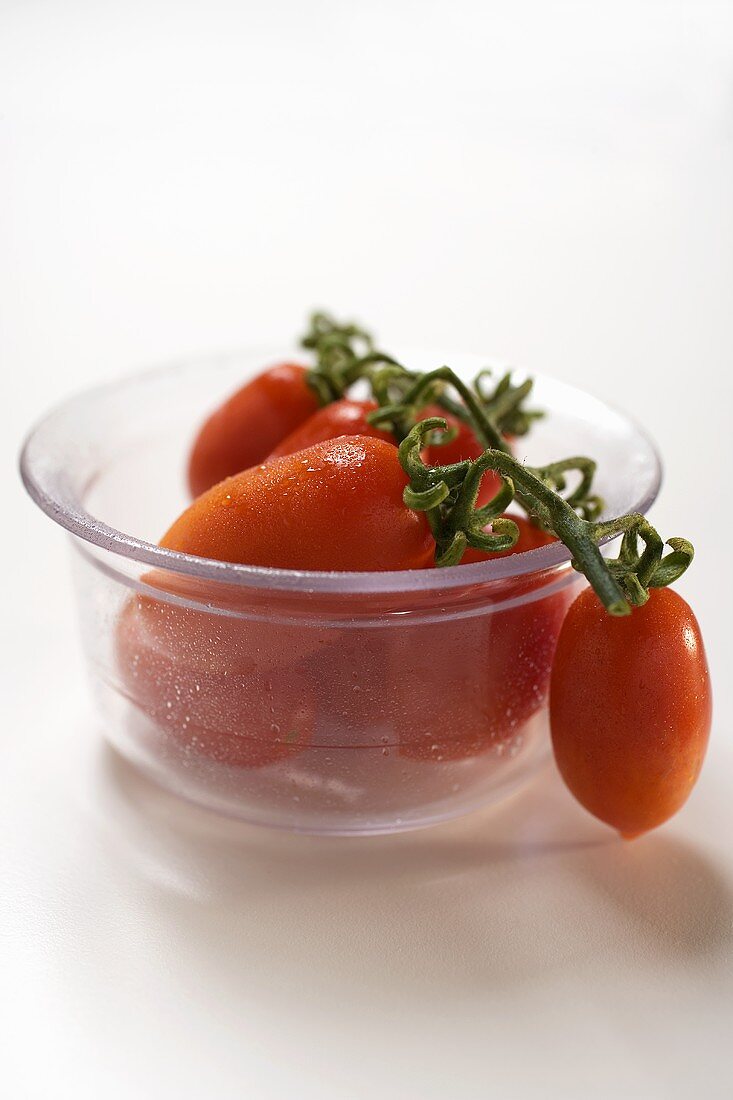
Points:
(322, 702)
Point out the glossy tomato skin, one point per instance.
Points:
(630, 709)
(334, 506)
(243, 431)
(230, 681)
(471, 684)
(349, 417)
(211, 684)
(344, 417)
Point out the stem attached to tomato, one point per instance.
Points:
(505, 402)
(448, 496)
(324, 327)
(345, 353)
(400, 415)
(338, 348)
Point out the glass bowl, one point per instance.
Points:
(321, 702)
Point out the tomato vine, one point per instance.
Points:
(448, 494)
(345, 354)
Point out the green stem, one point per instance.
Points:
(345, 352)
(504, 403)
(338, 349)
(448, 495)
(560, 517)
(422, 390)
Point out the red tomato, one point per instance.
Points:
(464, 446)
(334, 506)
(234, 687)
(630, 709)
(347, 417)
(243, 431)
(202, 681)
(344, 417)
(475, 685)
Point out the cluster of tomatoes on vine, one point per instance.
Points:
(299, 470)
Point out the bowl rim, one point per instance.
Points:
(83, 525)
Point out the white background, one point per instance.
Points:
(548, 183)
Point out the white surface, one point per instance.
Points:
(549, 183)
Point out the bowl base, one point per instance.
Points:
(328, 790)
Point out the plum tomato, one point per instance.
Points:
(243, 431)
(485, 677)
(334, 506)
(630, 709)
(214, 684)
(344, 417)
(473, 683)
